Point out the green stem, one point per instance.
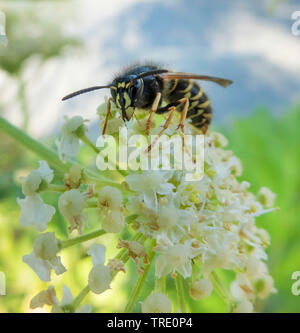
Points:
(74, 305)
(83, 238)
(23, 102)
(160, 285)
(56, 188)
(51, 156)
(180, 293)
(34, 145)
(88, 142)
(91, 203)
(138, 287)
(221, 290)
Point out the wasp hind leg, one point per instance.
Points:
(172, 110)
(154, 108)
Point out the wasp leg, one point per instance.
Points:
(183, 112)
(172, 110)
(108, 107)
(182, 121)
(153, 110)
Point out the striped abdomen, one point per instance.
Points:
(200, 111)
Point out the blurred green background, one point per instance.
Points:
(267, 143)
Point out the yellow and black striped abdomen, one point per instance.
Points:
(200, 111)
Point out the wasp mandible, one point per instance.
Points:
(147, 86)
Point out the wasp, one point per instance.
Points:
(148, 86)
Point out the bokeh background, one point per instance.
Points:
(56, 47)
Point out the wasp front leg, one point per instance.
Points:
(108, 108)
(154, 108)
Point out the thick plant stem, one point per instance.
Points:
(50, 156)
(135, 294)
(160, 285)
(23, 102)
(83, 238)
(79, 298)
(180, 293)
(89, 143)
(56, 188)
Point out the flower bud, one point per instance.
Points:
(266, 197)
(219, 140)
(244, 307)
(201, 289)
(31, 183)
(157, 303)
(72, 178)
(110, 197)
(99, 279)
(46, 246)
(71, 203)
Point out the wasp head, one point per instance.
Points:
(125, 92)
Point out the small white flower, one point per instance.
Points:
(219, 139)
(150, 183)
(201, 289)
(72, 178)
(110, 197)
(243, 306)
(44, 297)
(266, 197)
(221, 252)
(68, 145)
(241, 288)
(114, 221)
(34, 212)
(175, 258)
(265, 286)
(157, 303)
(97, 252)
(45, 172)
(33, 182)
(43, 267)
(48, 297)
(99, 277)
(46, 246)
(71, 205)
(67, 299)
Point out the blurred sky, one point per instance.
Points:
(240, 40)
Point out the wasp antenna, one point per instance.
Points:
(83, 91)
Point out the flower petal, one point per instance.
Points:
(34, 212)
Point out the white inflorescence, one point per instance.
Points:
(198, 226)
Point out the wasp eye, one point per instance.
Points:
(135, 90)
(113, 93)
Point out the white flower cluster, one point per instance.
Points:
(197, 226)
(209, 223)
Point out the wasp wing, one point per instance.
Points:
(222, 82)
